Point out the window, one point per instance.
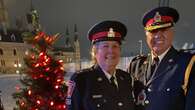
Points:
(1, 51)
(14, 52)
(13, 38)
(2, 63)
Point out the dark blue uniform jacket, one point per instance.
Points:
(93, 91)
(165, 90)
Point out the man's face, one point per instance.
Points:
(108, 54)
(159, 40)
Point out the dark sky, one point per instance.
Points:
(55, 15)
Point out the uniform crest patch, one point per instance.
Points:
(71, 86)
(141, 98)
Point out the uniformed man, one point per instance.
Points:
(164, 79)
(102, 87)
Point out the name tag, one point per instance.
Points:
(97, 96)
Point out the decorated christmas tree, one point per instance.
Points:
(43, 86)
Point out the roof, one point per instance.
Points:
(63, 49)
(11, 36)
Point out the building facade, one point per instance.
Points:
(13, 47)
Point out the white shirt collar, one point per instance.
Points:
(109, 75)
(162, 55)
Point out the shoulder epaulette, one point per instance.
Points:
(83, 70)
(192, 51)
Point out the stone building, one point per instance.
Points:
(13, 46)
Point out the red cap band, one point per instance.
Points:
(163, 19)
(103, 34)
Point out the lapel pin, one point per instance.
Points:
(170, 60)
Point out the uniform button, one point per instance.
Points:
(168, 89)
(120, 104)
(98, 105)
(146, 101)
(149, 90)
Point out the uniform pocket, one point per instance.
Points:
(98, 100)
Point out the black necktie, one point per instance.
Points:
(112, 82)
(154, 64)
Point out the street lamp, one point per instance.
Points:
(17, 66)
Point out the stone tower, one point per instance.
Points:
(4, 22)
(77, 49)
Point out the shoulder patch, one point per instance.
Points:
(71, 86)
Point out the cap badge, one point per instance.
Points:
(111, 33)
(157, 17)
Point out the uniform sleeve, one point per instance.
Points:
(190, 96)
(138, 86)
(76, 99)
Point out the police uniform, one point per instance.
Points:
(172, 85)
(90, 88)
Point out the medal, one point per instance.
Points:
(141, 98)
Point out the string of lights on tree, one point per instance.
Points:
(43, 86)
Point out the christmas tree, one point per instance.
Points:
(43, 86)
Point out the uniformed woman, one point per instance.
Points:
(102, 87)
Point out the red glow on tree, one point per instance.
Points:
(44, 87)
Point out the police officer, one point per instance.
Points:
(164, 79)
(102, 87)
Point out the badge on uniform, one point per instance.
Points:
(141, 98)
(71, 86)
(99, 79)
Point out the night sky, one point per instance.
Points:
(56, 15)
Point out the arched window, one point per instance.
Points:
(2, 62)
(13, 38)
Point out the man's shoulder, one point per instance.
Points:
(188, 53)
(138, 62)
(141, 58)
